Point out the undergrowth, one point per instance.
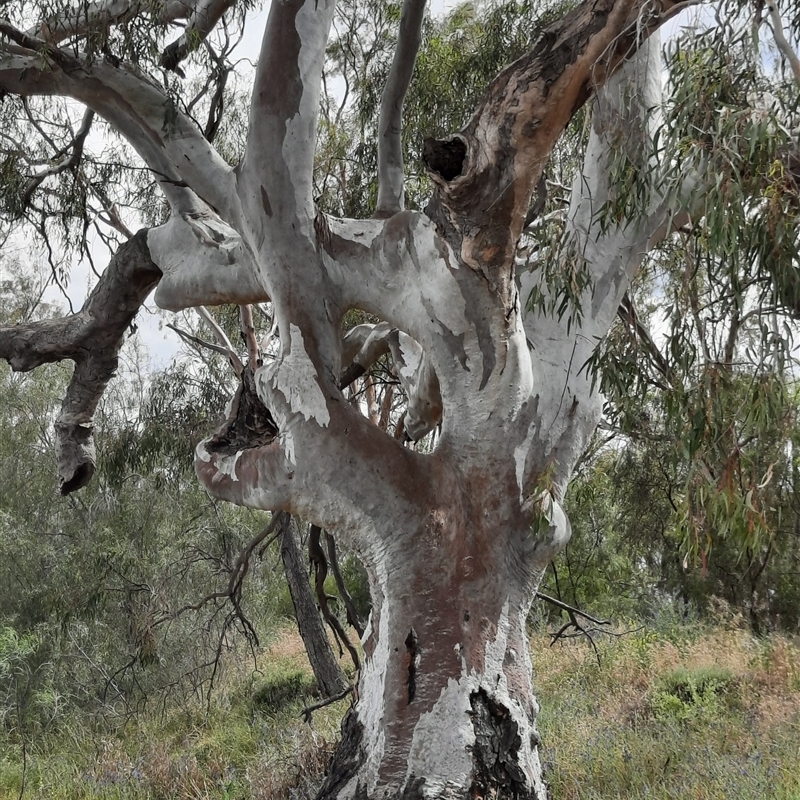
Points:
(668, 713)
(680, 713)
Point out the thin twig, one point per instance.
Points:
(333, 561)
(222, 338)
(320, 564)
(197, 341)
(309, 710)
(67, 163)
(237, 573)
(571, 609)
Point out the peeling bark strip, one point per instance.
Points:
(92, 339)
(495, 753)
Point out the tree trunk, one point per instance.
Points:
(330, 678)
(445, 706)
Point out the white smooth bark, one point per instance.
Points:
(625, 114)
(99, 15)
(391, 176)
(203, 259)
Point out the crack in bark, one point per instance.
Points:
(412, 646)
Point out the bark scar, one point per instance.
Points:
(412, 647)
(496, 752)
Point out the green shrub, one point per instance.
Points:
(684, 694)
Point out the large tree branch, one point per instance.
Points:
(390, 123)
(276, 172)
(781, 41)
(204, 260)
(167, 140)
(92, 339)
(101, 15)
(624, 116)
(485, 175)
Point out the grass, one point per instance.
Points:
(251, 744)
(673, 713)
(695, 716)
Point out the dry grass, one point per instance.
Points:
(615, 730)
(611, 730)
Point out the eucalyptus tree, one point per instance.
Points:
(710, 397)
(455, 537)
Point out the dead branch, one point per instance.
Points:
(191, 339)
(222, 338)
(92, 339)
(233, 591)
(320, 566)
(341, 588)
(309, 710)
(76, 145)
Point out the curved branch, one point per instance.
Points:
(92, 339)
(484, 176)
(626, 113)
(66, 163)
(204, 260)
(201, 343)
(347, 600)
(167, 140)
(320, 565)
(202, 20)
(390, 122)
(362, 346)
(412, 367)
(781, 41)
(418, 379)
(101, 15)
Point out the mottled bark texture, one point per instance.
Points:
(92, 339)
(454, 540)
